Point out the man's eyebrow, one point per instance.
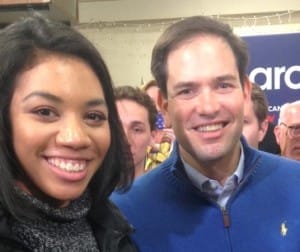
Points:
(182, 84)
(136, 122)
(226, 77)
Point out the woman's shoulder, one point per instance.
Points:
(7, 243)
(112, 229)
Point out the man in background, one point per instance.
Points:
(255, 116)
(138, 113)
(287, 131)
(164, 135)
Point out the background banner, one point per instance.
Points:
(275, 66)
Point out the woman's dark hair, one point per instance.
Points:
(20, 44)
(178, 33)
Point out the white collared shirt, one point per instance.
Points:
(212, 187)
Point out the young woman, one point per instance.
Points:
(62, 147)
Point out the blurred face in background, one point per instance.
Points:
(135, 121)
(153, 92)
(288, 132)
(253, 130)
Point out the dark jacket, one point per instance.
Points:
(110, 228)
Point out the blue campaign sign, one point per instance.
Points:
(275, 66)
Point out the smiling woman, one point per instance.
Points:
(63, 149)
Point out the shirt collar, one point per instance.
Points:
(198, 179)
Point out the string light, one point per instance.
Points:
(254, 23)
(290, 16)
(244, 21)
(121, 36)
(284, 17)
(279, 19)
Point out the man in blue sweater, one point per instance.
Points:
(214, 192)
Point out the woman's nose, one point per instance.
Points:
(73, 133)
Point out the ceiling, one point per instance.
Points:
(64, 10)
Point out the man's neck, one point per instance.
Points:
(217, 169)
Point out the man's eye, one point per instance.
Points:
(224, 85)
(187, 93)
(296, 129)
(138, 130)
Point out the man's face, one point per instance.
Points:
(253, 130)
(205, 101)
(289, 145)
(153, 92)
(135, 122)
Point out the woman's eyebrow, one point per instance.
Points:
(43, 94)
(54, 98)
(96, 102)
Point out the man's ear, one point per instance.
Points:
(247, 88)
(153, 136)
(163, 106)
(277, 132)
(263, 127)
(160, 101)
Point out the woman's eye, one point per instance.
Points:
(96, 117)
(44, 112)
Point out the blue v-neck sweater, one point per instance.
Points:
(171, 214)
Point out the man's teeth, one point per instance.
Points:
(210, 127)
(68, 165)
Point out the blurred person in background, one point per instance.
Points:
(138, 113)
(287, 131)
(269, 143)
(164, 136)
(255, 116)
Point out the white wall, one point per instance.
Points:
(116, 10)
(125, 31)
(126, 52)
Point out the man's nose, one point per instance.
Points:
(207, 102)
